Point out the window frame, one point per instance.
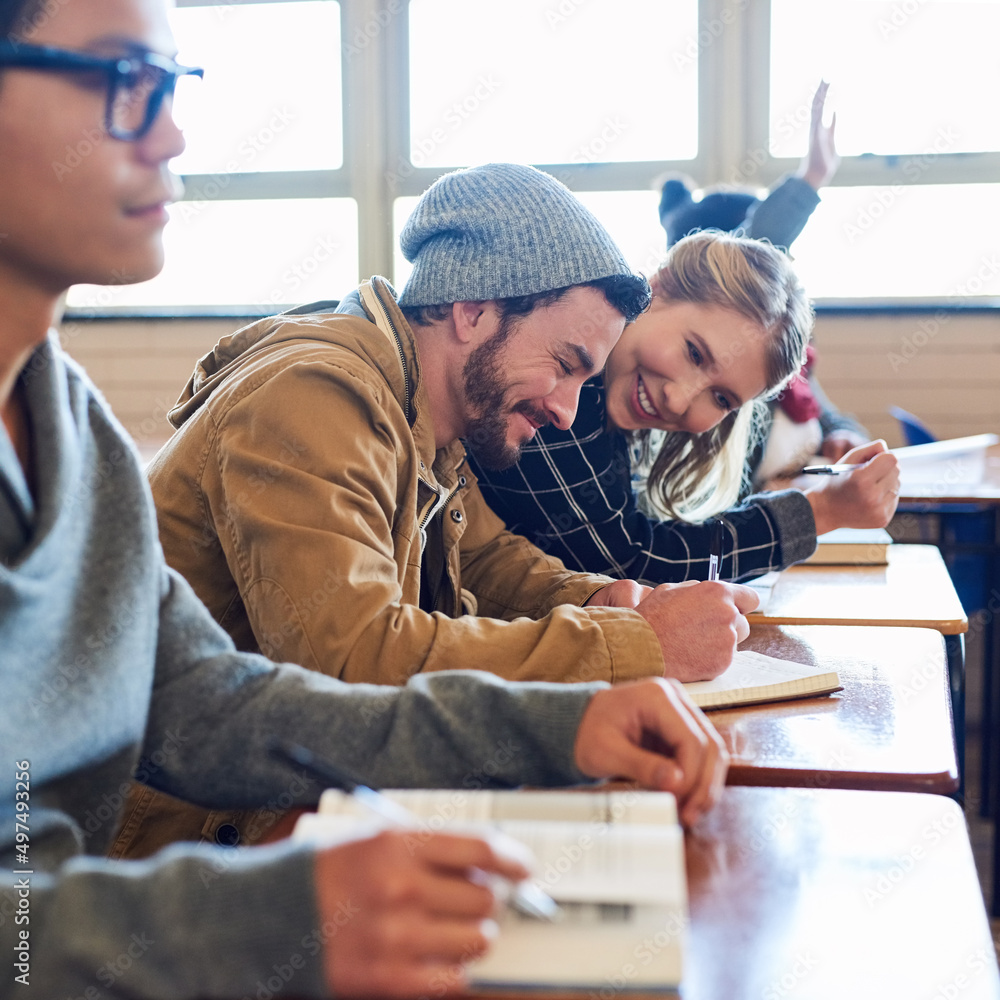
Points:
(733, 47)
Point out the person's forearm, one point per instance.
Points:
(195, 923)
(225, 708)
(783, 214)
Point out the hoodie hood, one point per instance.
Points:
(299, 333)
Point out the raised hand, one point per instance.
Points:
(822, 159)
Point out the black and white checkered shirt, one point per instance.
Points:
(572, 495)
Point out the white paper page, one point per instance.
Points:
(438, 806)
(612, 863)
(752, 669)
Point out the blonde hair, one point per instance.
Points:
(694, 476)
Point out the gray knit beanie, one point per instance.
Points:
(499, 231)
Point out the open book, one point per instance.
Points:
(755, 677)
(613, 861)
(851, 547)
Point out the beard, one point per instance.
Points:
(486, 392)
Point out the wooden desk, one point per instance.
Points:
(913, 590)
(798, 893)
(940, 497)
(889, 729)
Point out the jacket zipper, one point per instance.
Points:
(433, 507)
(436, 506)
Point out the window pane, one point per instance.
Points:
(538, 81)
(919, 241)
(913, 77)
(632, 219)
(629, 216)
(246, 253)
(271, 98)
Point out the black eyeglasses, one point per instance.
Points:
(137, 84)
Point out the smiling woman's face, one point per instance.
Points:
(683, 366)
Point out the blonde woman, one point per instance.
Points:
(661, 436)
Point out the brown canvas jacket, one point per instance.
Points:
(301, 492)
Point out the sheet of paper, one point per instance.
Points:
(604, 862)
(755, 677)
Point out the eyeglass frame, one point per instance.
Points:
(115, 68)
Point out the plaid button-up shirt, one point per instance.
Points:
(572, 494)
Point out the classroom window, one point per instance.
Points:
(910, 78)
(881, 242)
(262, 255)
(321, 120)
(542, 82)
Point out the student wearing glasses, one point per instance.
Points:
(110, 667)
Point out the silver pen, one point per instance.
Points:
(525, 897)
(827, 470)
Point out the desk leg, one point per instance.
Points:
(955, 647)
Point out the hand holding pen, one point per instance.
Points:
(395, 921)
(522, 895)
(861, 492)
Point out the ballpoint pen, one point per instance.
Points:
(715, 557)
(524, 896)
(827, 470)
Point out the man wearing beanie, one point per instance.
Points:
(317, 497)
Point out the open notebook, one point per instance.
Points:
(613, 861)
(755, 677)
